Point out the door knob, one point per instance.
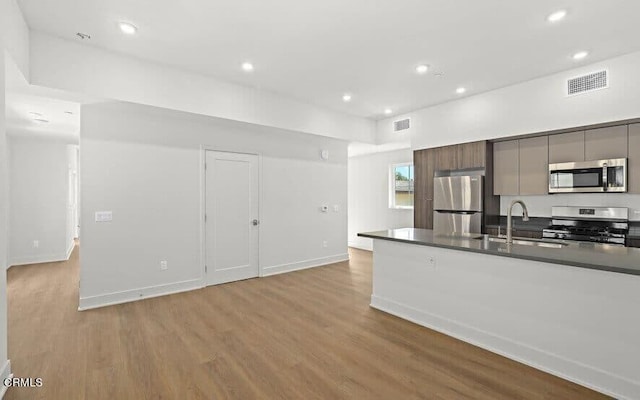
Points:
(255, 222)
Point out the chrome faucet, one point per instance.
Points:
(525, 217)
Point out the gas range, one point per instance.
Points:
(589, 224)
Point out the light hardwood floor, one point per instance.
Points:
(304, 335)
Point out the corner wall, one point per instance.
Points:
(5, 367)
(14, 43)
(144, 164)
(369, 196)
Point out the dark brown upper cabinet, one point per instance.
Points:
(471, 155)
(423, 167)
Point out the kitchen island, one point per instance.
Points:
(568, 309)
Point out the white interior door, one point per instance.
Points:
(232, 220)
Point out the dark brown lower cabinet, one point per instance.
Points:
(633, 242)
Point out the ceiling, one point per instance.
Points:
(316, 50)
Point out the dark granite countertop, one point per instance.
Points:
(578, 254)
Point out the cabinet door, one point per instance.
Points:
(534, 165)
(423, 167)
(633, 166)
(472, 155)
(566, 147)
(446, 158)
(605, 143)
(505, 168)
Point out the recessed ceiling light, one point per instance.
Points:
(461, 90)
(83, 36)
(128, 28)
(40, 120)
(35, 114)
(69, 112)
(557, 16)
(422, 69)
(346, 97)
(247, 66)
(388, 111)
(580, 55)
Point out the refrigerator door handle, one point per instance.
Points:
(458, 212)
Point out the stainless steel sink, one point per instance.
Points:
(531, 242)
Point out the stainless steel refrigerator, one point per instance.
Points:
(457, 204)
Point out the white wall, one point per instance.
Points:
(14, 45)
(15, 35)
(369, 196)
(540, 206)
(533, 106)
(67, 65)
(38, 177)
(143, 164)
(5, 368)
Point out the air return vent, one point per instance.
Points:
(401, 125)
(588, 83)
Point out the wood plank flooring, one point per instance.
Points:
(305, 335)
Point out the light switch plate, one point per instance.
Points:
(104, 216)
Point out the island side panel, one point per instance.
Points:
(576, 323)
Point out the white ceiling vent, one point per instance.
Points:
(401, 125)
(588, 83)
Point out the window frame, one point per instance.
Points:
(392, 186)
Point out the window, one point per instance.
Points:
(401, 190)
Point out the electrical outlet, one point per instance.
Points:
(325, 243)
(336, 208)
(164, 265)
(36, 244)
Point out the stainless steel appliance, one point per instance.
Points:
(588, 176)
(457, 204)
(589, 224)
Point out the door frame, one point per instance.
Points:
(203, 207)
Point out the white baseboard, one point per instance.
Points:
(39, 259)
(72, 246)
(90, 302)
(5, 373)
(316, 262)
(570, 370)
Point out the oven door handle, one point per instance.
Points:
(605, 174)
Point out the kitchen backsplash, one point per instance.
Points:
(540, 206)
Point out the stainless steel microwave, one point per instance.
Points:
(589, 176)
